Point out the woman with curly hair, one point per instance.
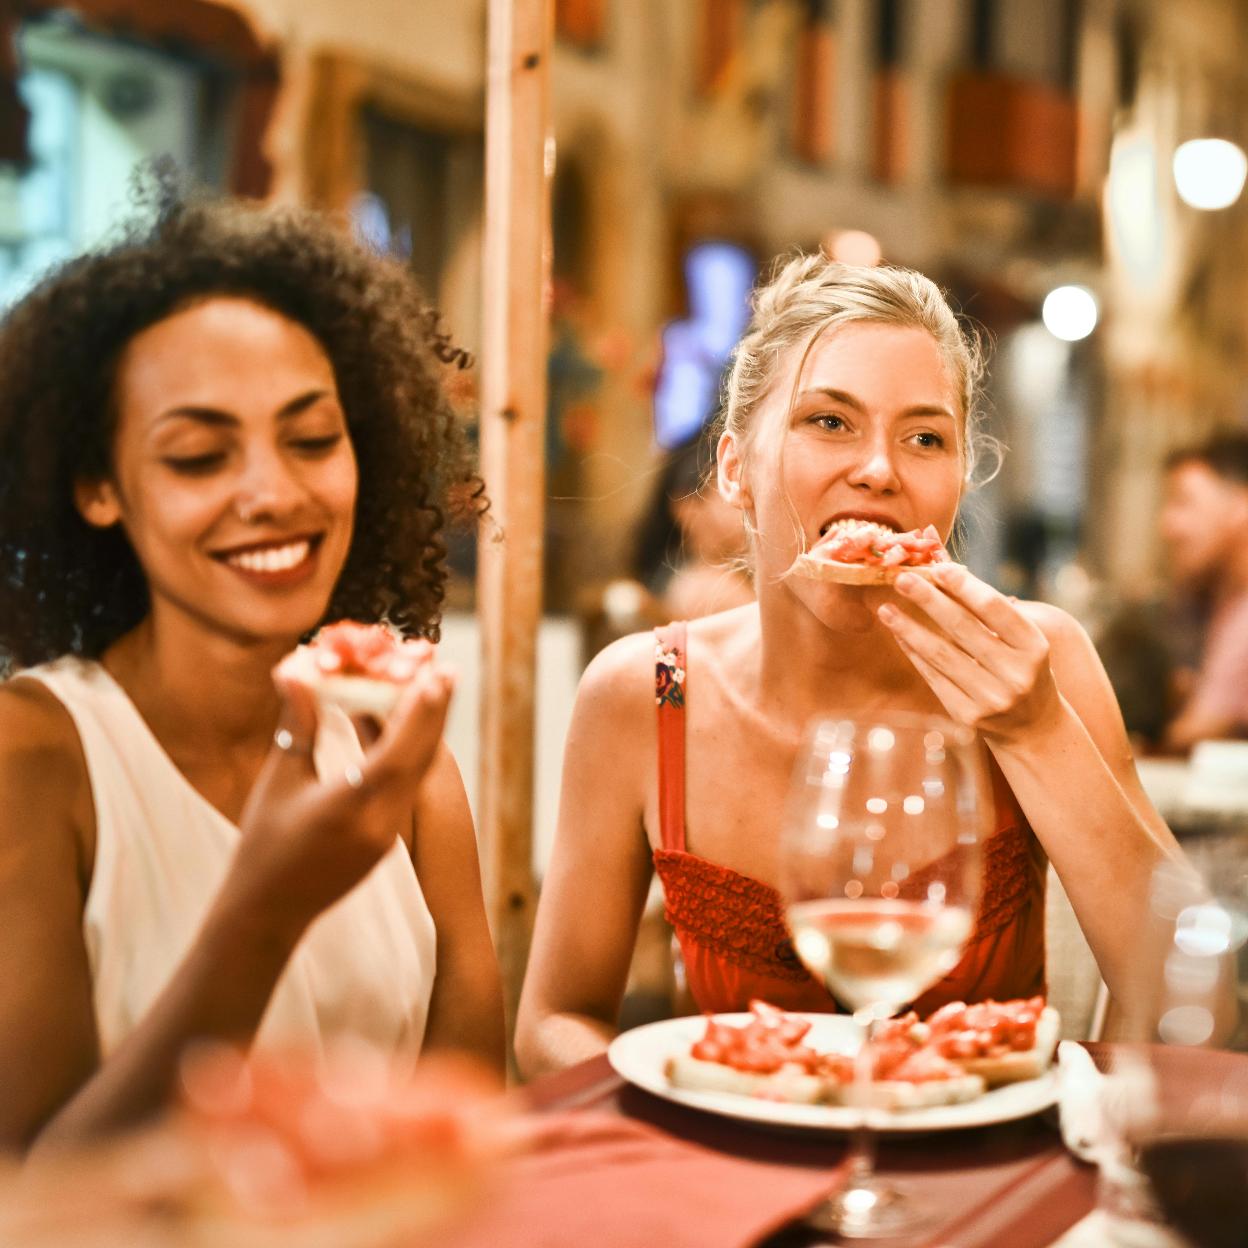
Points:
(218, 431)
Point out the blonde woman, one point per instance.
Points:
(853, 394)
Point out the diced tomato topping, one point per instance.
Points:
(924, 1066)
(789, 1027)
(985, 1029)
(870, 544)
(770, 1040)
(373, 650)
(902, 1048)
(837, 1066)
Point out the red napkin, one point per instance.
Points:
(601, 1180)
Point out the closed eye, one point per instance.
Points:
(316, 446)
(195, 465)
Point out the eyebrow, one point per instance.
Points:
(217, 416)
(849, 400)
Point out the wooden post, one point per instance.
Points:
(513, 420)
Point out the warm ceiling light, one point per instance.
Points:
(1209, 173)
(855, 247)
(1069, 312)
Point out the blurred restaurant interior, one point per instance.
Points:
(1019, 153)
(1069, 171)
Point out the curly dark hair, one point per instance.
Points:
(69, 588)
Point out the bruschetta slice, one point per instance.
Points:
(362, 668)
(860, 552)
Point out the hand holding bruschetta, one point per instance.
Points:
(981, 655)
(308, 840)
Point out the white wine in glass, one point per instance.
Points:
(880, 872)
(878, 951)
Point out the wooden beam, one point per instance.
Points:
(513, 419)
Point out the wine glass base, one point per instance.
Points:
(869, 1209)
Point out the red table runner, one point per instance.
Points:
(1013, 1183)
(614, 1166)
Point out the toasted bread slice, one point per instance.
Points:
(796, 1087)
(361, 668)
(903, 1094)
(1014, 1067)
(789, 1083)
(359, 695)
(816, 568)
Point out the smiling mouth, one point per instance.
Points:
(275, 557)
(855, 522)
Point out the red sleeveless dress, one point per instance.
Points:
(731, 927)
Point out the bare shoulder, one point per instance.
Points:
(45, 791)
(620, 678)
(34, 723)
(612, 732)
(1065, 635)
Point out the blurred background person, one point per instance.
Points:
(691, 544)
(1136, 647)
(1204, 524)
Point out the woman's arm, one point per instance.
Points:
(51, 1080)
(1028, 679)
(303, 845)
(48, 1042)
(466, 1012)
(595, 887)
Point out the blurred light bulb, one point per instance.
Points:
(1203, 931)
(855, 247)
(1186, 1024)
(1209, 173)
(623, 600)
(1069, 312)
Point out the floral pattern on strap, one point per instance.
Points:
(669, 676)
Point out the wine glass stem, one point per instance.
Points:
(860, 1163)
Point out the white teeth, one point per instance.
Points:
(849, 522)
(274, 559)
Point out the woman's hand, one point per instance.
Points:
(982, 657)
(306, 841)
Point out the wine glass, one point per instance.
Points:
(1192, 1144)
(880, 872)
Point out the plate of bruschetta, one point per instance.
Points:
(964, 1066)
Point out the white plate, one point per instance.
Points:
(639, 1056)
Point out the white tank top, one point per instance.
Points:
(364, 967)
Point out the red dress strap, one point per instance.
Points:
(670, 675)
